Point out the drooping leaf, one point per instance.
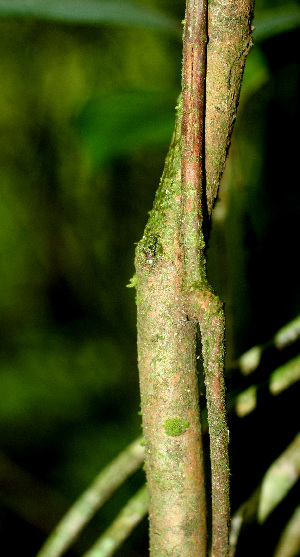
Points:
(279, 479)
(256, 74)
(130, 13)
(246, 401)
(276, 21)
(289, 543)
(288, 334)
(92, 12)
(118, 123)
(285, 376)
(250, 360)
(282, 378)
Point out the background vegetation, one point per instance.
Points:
(86, 117)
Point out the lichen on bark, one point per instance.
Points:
(168, 379)
(229, 32)
(172, 297)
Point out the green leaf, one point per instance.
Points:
(289, 543)
(285, 376)
(118, 123)
(246, 401)
(92, 12)
(250, 360)
(288, 334)
(256, 74)
(276, 21)
(279, 479)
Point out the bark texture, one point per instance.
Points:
(168, 379)
(229, 41)
(173, 296)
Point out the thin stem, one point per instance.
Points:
(200, 302)
(81, 512)
(212, 325)
(192, 171)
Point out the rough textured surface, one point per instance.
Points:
(172, 296)
(168, 380)
(229, 32)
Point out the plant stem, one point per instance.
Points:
(192, 169)
(173, 293)
(168, 378)
(198, 197)
(200, 302)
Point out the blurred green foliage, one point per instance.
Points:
(86, 115)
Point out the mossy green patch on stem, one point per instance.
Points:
(175, 426)
(133, 282)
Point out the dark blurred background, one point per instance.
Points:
(86, 117)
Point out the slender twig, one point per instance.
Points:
(129, 517)
(212, 333)
(92, 499)
(193, 91)
(201, 303)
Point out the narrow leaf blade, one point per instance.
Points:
(276, 21)
(91, 12)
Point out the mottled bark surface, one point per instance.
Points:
(168, 380)
(173, 297)
(229, 34)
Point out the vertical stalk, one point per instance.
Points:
(168, 379)
(200, 302)
(198, 197)
(173, 293)
(192, 160)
